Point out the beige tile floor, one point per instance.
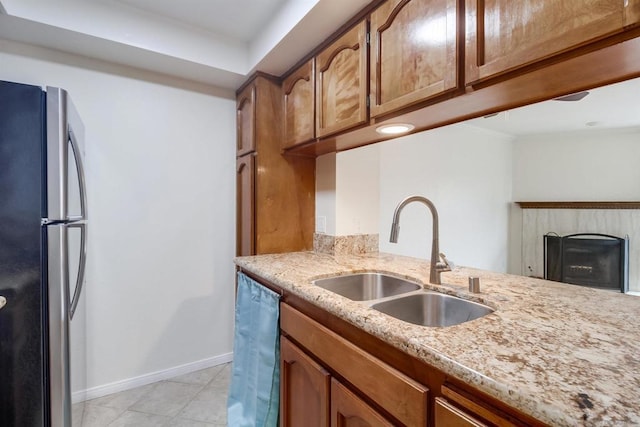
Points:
(198, 399)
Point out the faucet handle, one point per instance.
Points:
(444, 264)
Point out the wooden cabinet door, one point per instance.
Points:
(413, 51)
(631, 12)
(246, 120)
(304, 389)
(245, 209)
(299, 105)
(341, 83)
(503, 35)
(348, 410)
(447, 415)
(398, 395)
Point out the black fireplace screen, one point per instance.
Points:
(595, 260)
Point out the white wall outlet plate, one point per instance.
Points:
(321, 224)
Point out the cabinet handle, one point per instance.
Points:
(3, 301)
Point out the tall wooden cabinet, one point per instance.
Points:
(245, 195)
(503, 35)
(275, 193)
(413, 52)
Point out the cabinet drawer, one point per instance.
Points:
(476, 406)
(399, 395)
(447, 415)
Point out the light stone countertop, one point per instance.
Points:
(564, 354)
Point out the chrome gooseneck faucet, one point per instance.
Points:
(437, 267)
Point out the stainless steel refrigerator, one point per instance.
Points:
(43, 237)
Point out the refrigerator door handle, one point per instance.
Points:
(81, 180)
(81, 267)
(64, 132)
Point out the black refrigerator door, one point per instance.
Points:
(22, 361)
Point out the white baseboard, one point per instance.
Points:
(115, 387)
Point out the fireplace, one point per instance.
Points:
(587, 259)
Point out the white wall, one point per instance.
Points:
(466, 172)
(472, 175)
(357, 191)
(594, 166)
(347, 191)
(160, 164)
(326, 193)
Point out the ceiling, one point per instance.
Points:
(610, 107)
(221, 42)
(217, 42)
(237, 19)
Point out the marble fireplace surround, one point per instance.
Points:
(613, 218)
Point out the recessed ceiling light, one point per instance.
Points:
(395, 128)
(573, 97)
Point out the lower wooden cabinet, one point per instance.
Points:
(310, 397)
(403, 399)
(327, 378)
(348, 410)
(304, 389)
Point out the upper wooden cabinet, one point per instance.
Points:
(341, 83)
(632, 12)
(413, 53)
(503, 35)
(245, 120)
(299, 105)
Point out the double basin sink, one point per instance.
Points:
(404, 300)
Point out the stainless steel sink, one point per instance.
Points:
(432, 309)
(366, 286)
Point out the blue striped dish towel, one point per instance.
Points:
(254, 394)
